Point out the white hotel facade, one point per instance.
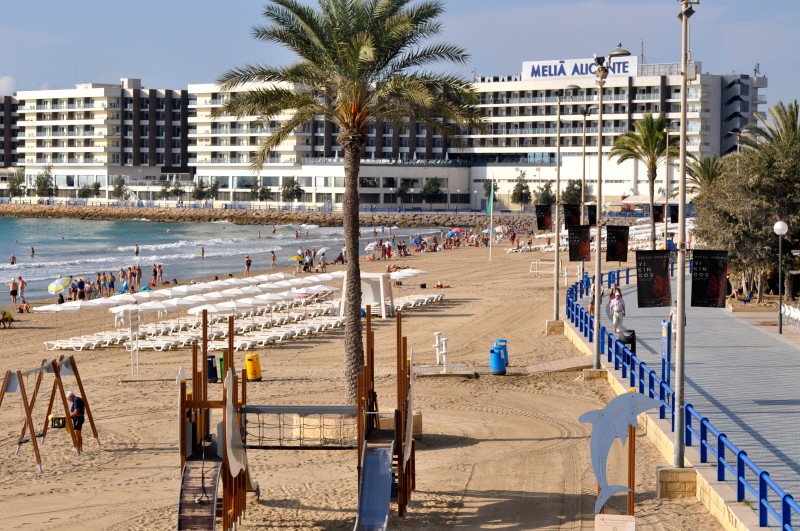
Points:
(96, 131)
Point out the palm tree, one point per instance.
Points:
(702, 172)
(785, 126)
(646, 144)
(358, 61)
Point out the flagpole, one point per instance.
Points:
(491, 217)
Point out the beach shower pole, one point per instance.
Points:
(680, 343)
(780, 229)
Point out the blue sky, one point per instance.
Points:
(169, 44)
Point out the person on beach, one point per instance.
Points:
(155, 274)
(6, 319)
(202, 252)
(136, 250)
(12, 260)
(273, 259)
(111, 279)
(77, 411)
(33, 252)
(81, 290)
(14, 287)
(24, 307)
(617, 308)
(247, 264)
(22, 285)
(160, 276)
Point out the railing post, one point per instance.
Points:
(763, 514)
(740, 479)
(786, 511)
(624, 362)
(662, 411)
(721, 456)
(641, 378)
(704, 440)
(651, 384)
(627, 276)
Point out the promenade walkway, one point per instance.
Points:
(740, 374)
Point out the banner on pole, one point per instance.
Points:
(658, 213)
(544, 217)
(617, 243)
(572, 215)
(709, 278)
(652, 277)
(592, 214)
(578, 239)
(673, 213)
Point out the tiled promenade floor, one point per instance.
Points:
(740, 374)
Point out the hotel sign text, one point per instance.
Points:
(620, 66)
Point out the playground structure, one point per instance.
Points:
(221, 459)
(386, 453)
(208, 462)
(16, 382)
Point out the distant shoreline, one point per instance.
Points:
(264, 217)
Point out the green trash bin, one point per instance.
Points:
(222, 368)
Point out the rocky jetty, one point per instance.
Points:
(265, 217)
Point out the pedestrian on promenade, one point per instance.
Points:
(617, 308)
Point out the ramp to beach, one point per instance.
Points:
(197, 506)
(375, 491)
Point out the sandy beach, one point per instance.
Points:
(496, 452)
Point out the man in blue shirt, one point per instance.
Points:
(77, 412)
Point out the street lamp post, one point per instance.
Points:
(556, 275)
(780, 229)
(601, 72)
(585, 112)
(666, 184)
(458, 198)
(680, 343)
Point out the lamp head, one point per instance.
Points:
(780, 228)
(619, 51)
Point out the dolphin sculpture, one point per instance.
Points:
(607, 424)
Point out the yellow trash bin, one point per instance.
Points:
(253, 366)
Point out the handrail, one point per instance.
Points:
(647, 382)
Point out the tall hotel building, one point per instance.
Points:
(95, 131)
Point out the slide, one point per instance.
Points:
(375, 490)
(198, 509)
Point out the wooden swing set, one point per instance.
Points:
(15, 382)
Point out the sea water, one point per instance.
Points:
(86, 247)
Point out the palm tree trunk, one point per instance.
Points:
(651, 179)
(352, 143)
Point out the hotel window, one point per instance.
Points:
(144, 158)
(176, 159)
(144, 130)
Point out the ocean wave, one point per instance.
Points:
(182, 243)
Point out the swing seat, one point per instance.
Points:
(58, 422)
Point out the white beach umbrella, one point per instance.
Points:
(256, 302)
(268, 286)
(197, 310)
(284, 284)
(338, 274)
(323, 250)
(281, 276)
(238, 304)
(319, 288)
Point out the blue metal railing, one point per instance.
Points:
(748, 477)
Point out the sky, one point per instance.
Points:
(170, 44)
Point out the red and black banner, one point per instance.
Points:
(544, 217)
(652, 278)
(617, 243)
(709, 278)
(658, 213)
(592, 214)
(578, 239)
(572, 215)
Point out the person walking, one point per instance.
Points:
(247, 264)
(274, 259)
(14, 287)
(592, 303)
(617, 308)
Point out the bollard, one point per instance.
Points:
(437, 337)
(444, 353)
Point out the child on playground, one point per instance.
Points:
(77, 412)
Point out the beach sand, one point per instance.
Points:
(497, 452)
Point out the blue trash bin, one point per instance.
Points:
(211, 369)
(497, 366)
(502, 345)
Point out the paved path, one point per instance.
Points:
(740, 374)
